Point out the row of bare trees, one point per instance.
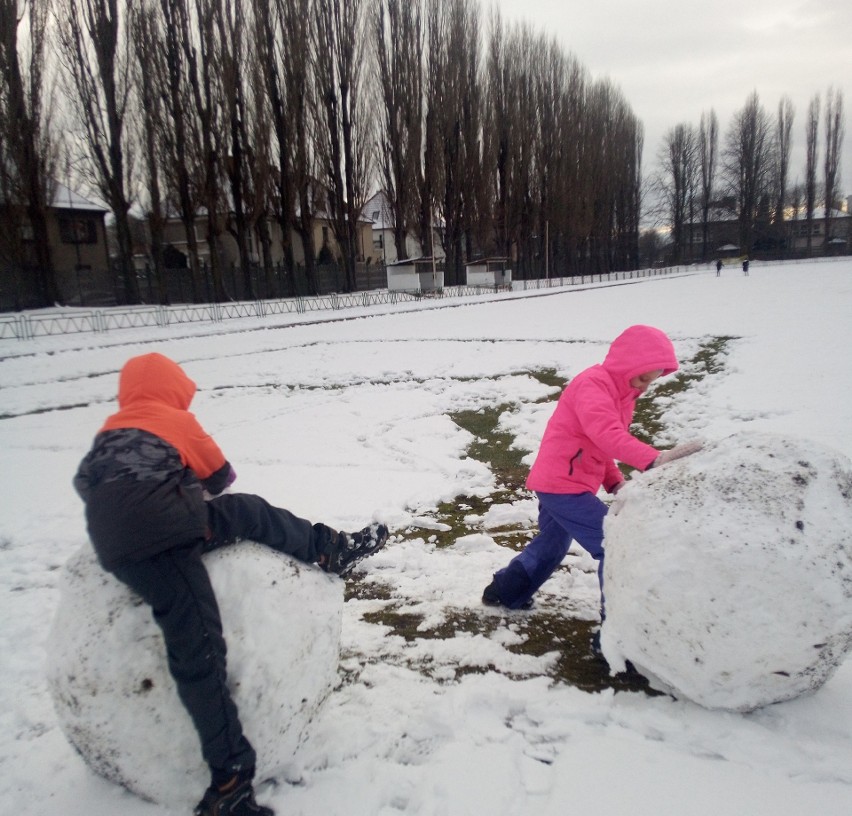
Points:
(258, 114)
(751, 170)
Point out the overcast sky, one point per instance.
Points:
(673, 60)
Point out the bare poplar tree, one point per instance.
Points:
(150, 72)
(206, 74)
(834, 132)
(272, 25)
(811, 153)
(747, 164)
(399, 41)
(346, 142)
(679, 162)
(548, 155)
(259, 189)
(231, 49)
(94, 45)
(614, 137)
(573, 179)
(453, 121)
(628, 199)
(548, 166)
(499, 131)
(181, 143)
(592, 184)
(783, 131)
(708, 147)
(298, 59)
(521, 117)
(592, 187)
(27, 151)
(474, 208)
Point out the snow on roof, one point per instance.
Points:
(378, 211)
(488, 260)
(422, 259)
(818, 214)
(65, 198)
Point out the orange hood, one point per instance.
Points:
(154, 378)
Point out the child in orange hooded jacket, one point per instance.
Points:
(587, 433)
(153, 487)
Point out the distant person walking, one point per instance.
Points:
(745, 267)
(718, 267)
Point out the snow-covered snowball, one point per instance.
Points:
(728, 573)
(118, 705)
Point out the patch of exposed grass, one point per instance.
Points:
(542, 632)
(576, 665)
(549, 377)
(493, 446)
(356, 589)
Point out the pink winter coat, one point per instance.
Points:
(589, 428)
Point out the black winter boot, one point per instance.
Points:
(491, 597)
(350, 548)
(233, 801)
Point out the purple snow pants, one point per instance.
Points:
(561, 518)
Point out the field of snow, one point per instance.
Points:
(444, 707)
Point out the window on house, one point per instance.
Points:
(378, 240)
(27, 232)
(78, 231)
(375, 215)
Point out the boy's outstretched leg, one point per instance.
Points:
(243, 516)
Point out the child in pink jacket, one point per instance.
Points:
(587, 433)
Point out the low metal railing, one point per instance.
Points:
(28, 325)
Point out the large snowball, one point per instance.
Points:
(117, 702)
(728, 573)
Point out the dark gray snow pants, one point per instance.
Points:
(177, 587)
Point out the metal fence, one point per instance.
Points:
(40, 323)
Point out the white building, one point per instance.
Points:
(377, 210)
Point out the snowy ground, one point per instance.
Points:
(442, 709)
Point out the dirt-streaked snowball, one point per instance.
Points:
(728, 573)
(117, 703)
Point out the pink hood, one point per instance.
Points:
(636, 351)
(589, 429)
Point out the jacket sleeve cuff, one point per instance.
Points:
(610, 488)
(217, 481)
